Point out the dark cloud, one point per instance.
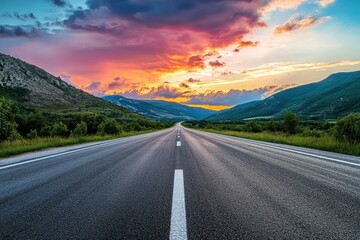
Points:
(24, 17)
(94, 86)
(59, 3)
(217, 19)
(19, 31)
(216, 64)
(117, 79)
(184, 85)
(192, 80)
(6, 14)
(54, 23)
(115, 85)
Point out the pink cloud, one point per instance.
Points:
(141, 40)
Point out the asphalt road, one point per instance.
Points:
(180, 183)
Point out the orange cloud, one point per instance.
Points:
(325, 3)
(282, 4)
(298, 23)
(245, 44)
(292, 4)
(288, 67)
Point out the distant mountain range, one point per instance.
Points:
(34, 88)
(161, 110)
(336, 96)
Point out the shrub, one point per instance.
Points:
(45, 131)
(35, 121)
(14, 135)
(252, 126)
(275, 126)
(80, 129)
(8, 126)
(92, 122)
(137, 126)
(32, 134)
(348, 128)
(291, 122)
(109, 126)
(59, 129)
(312, 133)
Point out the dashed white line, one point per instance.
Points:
(178, 213)
(178, 143)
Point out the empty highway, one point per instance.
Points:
(180, 184)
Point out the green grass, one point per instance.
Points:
(10, 148)
(326, 142)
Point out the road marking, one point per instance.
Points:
(300, 152)
(54, 155)
(178, 144)
(291, 150)
(312, 155)
(112, 142)
(178, 212)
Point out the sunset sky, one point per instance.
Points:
(211, 53)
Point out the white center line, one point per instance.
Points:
(178, 212)
(178, 144)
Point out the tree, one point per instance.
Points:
(80, 129)
(8, 126)
(291, 122)
(59, 129)
(348, 128)
(109, 126)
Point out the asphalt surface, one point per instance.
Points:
(233, 189)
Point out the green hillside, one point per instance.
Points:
(336, 96)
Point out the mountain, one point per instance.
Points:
(335, 96)
(34, 88)
(161, 110)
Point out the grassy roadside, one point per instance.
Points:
(326, 142)
(11, 148)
